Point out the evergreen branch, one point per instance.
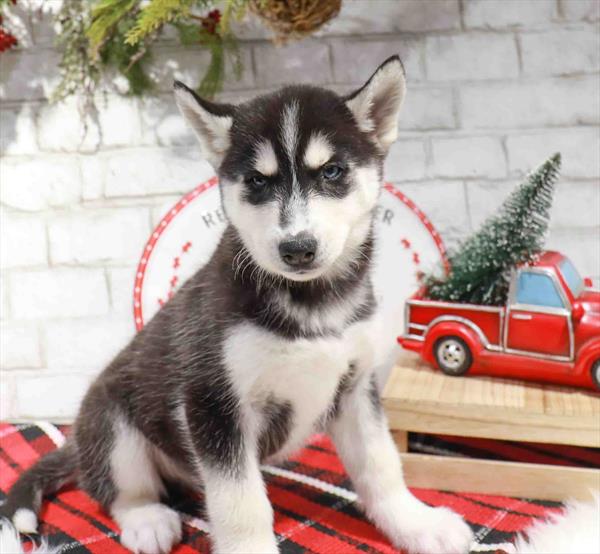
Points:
(127, 59)
(105, 16)
(158, 12)
(234, 9)
(213, 79)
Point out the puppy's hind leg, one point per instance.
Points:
(147, 526)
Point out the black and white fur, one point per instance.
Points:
(275, 338)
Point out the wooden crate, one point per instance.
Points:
(421, 399)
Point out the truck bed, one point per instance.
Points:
(422, 313)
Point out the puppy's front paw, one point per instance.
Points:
(150, 529)
(434, 531)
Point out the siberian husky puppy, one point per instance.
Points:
(274, 339)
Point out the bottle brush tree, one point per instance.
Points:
(480, 267)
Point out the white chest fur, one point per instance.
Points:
(303, 372)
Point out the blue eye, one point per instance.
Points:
(331, 172)
(258, 181)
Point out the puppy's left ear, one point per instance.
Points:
(210, 121)
(376, 105)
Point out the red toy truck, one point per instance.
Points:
(549, 329)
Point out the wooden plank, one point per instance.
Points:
(490, 424)
(419, 398)
(401, 439)
(522, 480)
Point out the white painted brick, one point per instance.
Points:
(44, 30)
(468, 157)
(4, 312)
(484, 198)
(107, 235)
(580, 149)
(390, 16)
(19, 346)
(163, 124)
(40, 183)
(121, 281)
(576, 205)
(28, 74)
(298, 62)
(7, 396)
(471, 56)
(86, 344)
(443, 202)
(366, 17)
(58, 293)
(581, 245)
(47, 396)
(570, 101)
(496, 14)
(189, 65)
(17, 130)
(92, 177)
(428, 108)
(120, 121)
(405, 161)
(61, 128)
(576, 10)
(355, 59)
(560, 52)
(22, 240)
(154, 171)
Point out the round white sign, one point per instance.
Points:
(187, 236)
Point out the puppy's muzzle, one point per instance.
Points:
(298, 251)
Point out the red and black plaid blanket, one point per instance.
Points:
(315, 508)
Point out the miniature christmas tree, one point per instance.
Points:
(480, 268)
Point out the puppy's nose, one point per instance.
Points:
(298, 251)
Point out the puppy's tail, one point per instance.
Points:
(47, 475)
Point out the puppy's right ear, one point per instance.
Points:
(376, 105)
(210, 121)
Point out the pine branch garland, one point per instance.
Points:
(481, 267)
(98, 36)
(156, 14)
(106, 14)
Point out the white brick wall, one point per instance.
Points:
(87, 236)
(58, 293)
(490, 56)
(494, 87)
(468, 157)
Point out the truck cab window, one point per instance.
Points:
(572, 277)
(537, 289)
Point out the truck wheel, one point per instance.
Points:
(596, 373)
(453, 356)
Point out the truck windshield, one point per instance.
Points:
(572, 277)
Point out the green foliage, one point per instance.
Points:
(97, 36)
(106, 14)
(79, 73)
(234, 9)
(223, 50)
(481, 267)
(129, 60)
(158, 12)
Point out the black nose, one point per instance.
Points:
(298, 251)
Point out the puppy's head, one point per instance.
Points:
(301, 168)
